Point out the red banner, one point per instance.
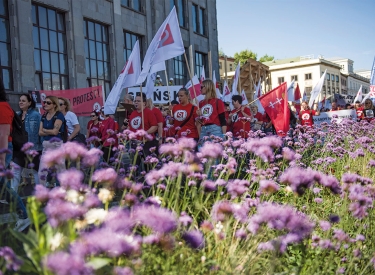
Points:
(82, 101)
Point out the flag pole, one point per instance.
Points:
(169, 95)
(191, 78)
(143, 122)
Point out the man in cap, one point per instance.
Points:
(158, 81)
(170, 83)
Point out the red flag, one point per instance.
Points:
(297, 93)
(275, 103)
(196, 91)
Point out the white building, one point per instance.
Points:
(307, 70)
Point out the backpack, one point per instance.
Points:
(19, 134)
(63, 134)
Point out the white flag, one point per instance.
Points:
(196, 91)
(166, 44)
(127, 78)
(152, 77)
(244, 98)
(359, 95)
(218, 94)
(364, 99)
(235, 80)
(227, 95)
(291, 92)
(257, 94)
(318, 87)
(203, 75)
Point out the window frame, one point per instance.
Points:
(130, 5)
(139, 37)
(308, 76)
(198, 67)
(105, 81)
(199, 22)
(180, 71)
(60, 54)
(294, 77)
(181, 12)
(5, 17)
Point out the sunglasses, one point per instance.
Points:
(47, 102)
(93, 115)
(203, 87)
(61, 104)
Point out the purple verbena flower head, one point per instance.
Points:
(211, 150)
(194, 239)
(107, 176)
(221, 210)
(92, 157)
(12, 262)
(71, 179)
(63, 263)
(268, 186)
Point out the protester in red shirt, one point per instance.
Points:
(109, 139)
(334, 107)
(211, 112)
(149, 125)
(168, 129)
(306, 115)
(240, 118)
(184, 115)
(369, 110)
(257, 121)
(159, 119)
(359, 110)
(93, 127)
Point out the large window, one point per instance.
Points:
(280, 80)
(50, 53)
(328, 77)
(5, 54)
(198, 14)
(180, 9)
(200, 61)
(307, 76)
(97, 55)
(129, 41)
(294, 77)
(180, 70)
(133, 4)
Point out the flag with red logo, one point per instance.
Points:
(359, 95)
(166, 44)
(257, 94)
(297, 98)
(275, 103)
(235, 79)
(127, 78)
(203, 75)
(227, 95)
(196, 91)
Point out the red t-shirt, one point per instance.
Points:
(135, 120)
(108, 124)
(211, 109)
(92, 129)
(158, 115)
(306, 117)
(238, 124)
(180, 114)
(6, 116)
(360, 114)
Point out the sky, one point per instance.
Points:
(291, 28)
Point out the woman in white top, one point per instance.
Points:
(71, 119)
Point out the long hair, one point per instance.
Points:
(369, 101)
(3, 95)
(66, 103)
(307, 104)
(210, 89)
(29, 99)
(55, 101)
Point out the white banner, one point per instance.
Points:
(160, 94)
(337, 115)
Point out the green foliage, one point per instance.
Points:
(266, 58)
(243, 56)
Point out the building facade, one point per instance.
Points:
(54, 45)
(307, 70)
(226, 67)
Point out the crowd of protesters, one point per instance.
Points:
(211, 117)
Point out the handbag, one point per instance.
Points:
(80, 138)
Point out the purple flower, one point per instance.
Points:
(11, 260)
(334, 218)
(41, 193)
(211, 150)
(27, 146)
(241, 233)
(268, 186)
(92, 157)
(318, 200)
(208, 186)
(221, 210)
(324, 225)
(158, 219)
(194, 239)
(185, 219)
(71, 179)
(122, 271)
(63, 263)
(237, 187)
(105, 176)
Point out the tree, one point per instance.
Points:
(266, 58)
(243, 56)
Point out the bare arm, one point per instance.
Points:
(76, 130)
(50, 132)
(152, 129)
(4, 134)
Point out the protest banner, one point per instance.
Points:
(160, 93)
(82, 101)
(336, 115)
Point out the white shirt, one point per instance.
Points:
(71, 120)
